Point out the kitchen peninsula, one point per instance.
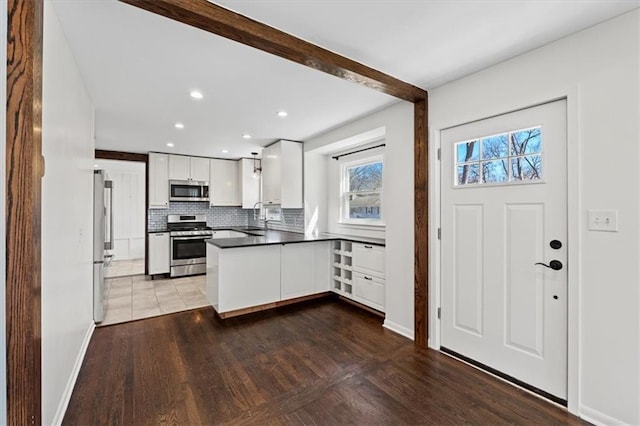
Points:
(272, 268)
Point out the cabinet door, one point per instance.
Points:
(291, 180)
(223, 185)
(179, 166)
(159, 253)
(271, 174)
(250, 185)
(158, 180)
(322, 266)
(368, 259)
(369, 290)
(199, 169)
(296, 266)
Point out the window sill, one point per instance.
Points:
(362, 225)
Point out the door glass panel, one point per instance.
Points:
(495, 171)
(467, 151)
(508, 157)
(526, 168)
(468, 173)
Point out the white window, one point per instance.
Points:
(512, 157)
(361, 191)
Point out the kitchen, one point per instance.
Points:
(71, 272)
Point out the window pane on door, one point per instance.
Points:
(495, 171)
(526, 168)
(468, 173)
(527, 141)
(495, 147)
(467, 151)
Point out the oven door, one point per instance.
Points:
(188, 250)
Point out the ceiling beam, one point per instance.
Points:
(226, 23)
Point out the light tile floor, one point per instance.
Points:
(122, 268)
(136, 297)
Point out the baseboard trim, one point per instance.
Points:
(597, 418)
(66, 396)
(397, 328)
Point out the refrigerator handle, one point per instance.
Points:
(108, 245)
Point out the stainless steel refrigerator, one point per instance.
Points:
(102, 239)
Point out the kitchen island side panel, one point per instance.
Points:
(251, 277)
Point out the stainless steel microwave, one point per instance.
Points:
(188, 190)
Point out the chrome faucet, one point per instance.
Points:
(258, 217)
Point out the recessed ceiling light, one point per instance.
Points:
(96, 165)
(195, 94)
(224, 151)
(170, 144)
(246, 136)
(282, 113)
(179, 126)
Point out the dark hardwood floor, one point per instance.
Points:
(323, 362)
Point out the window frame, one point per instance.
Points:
(509, 157)
(344, 192)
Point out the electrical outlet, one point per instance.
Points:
(603, 220)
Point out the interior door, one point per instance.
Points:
(504, 234)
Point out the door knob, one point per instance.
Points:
(556, 265)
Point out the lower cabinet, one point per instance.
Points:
(357, 273)
(159, 253)
(304, 269)
(246, 277)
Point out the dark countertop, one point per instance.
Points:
(281, 237)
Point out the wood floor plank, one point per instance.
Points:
(320, 363)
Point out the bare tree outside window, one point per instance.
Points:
(508, 157)
(363, 195)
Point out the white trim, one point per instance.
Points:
(66, 396)
(574, 221)
(598, 418)
(399, 329)
(344, 166)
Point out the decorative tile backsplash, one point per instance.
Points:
(292, 221)
(216, 216)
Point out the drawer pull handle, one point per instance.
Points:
(368, 278)
(368, 246)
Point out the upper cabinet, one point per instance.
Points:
(224, 186)
(282, 174)
(249, 183)
(158, 180)
(182, 167)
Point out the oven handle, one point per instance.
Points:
(199, 237)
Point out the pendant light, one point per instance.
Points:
(256, 170)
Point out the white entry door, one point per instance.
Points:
(504, 209)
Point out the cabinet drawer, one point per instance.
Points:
(369, 290)
(368, 259)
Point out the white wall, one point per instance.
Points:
(598, 71)
(67, 220)
(396, 124)
(128, 207)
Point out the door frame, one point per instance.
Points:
(574, 223)
(25, 169)
(101, 154)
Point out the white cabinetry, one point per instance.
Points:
(304, 269)
(282, 174)
(158, 253)
(239, 278)
(182, 167)
(249, 185)
(247, 277)
(358, 272)
(224, 188)
(158, 181)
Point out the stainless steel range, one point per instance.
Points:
(188, 248)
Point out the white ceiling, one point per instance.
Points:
(139, 67)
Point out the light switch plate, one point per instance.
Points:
(603, 220)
